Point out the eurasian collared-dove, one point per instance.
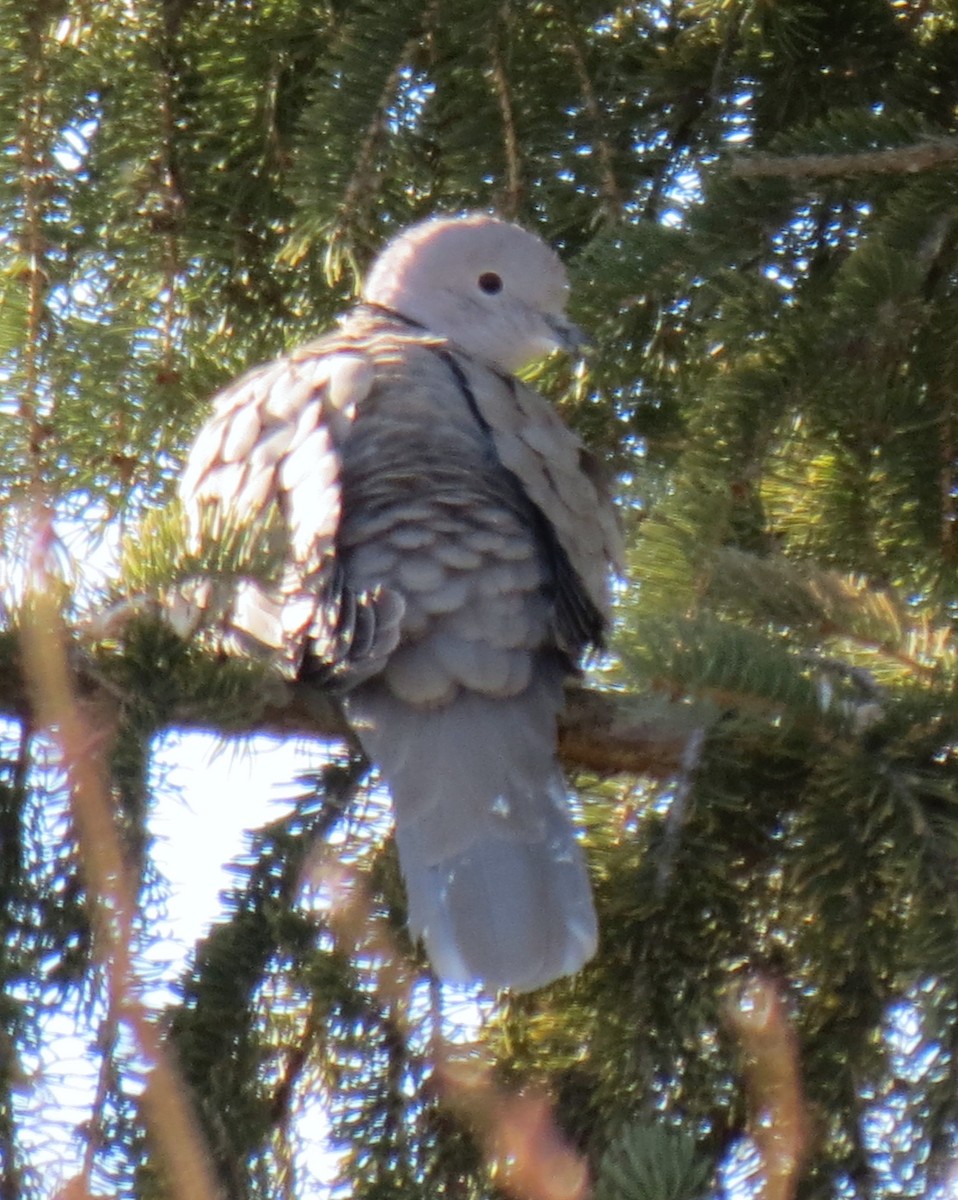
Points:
(448, 555)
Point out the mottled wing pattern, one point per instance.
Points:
(271, 447)
(557, 474)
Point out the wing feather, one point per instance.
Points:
(579, 522)
(269, 456)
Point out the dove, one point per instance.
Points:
(447, 547)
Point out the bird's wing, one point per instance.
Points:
(557, 474)
(268, 456)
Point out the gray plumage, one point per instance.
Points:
(447, 554)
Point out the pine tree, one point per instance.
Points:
(759, 204)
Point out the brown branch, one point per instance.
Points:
(778, 1119)
(613, 200)
(170, 217)
(908, 160)
(598, 731)
(511, 202)
(946, 483)
(364, 184)
(602, 732)
(34, 181)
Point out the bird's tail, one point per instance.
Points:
(496, 880)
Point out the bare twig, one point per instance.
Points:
(94, 1131)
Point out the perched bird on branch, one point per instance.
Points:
(447, 549)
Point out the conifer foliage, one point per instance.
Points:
(759, 204)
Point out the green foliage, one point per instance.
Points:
(165, 552)
(241, 1051)
(652, 1163)
(740, 665)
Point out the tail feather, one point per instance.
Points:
(513, 914)
(497, 882)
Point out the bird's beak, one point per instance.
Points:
(569, 336)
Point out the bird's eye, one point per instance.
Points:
(490, 283)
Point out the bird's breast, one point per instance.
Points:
(430, 513)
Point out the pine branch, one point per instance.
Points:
(946, 477)
(653, 1162)
(33, 152)
(511, 201)
(362, 188)
(613, 200)
(926, 155)
(171, 206)
(603, 732)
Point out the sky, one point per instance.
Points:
(211, 795)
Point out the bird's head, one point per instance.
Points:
(492, 288)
